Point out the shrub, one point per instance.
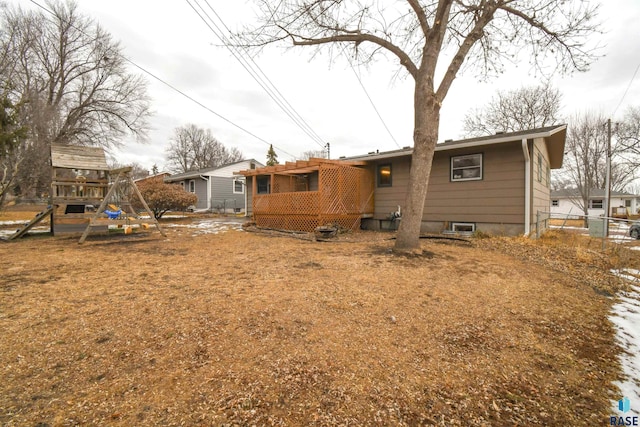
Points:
(162, 197)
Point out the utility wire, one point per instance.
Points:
(369, 97)
(627, 90)
(297, 117)
(253, 69)
(170, 86)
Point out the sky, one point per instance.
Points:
(169, 40)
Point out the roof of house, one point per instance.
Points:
(555, 136)
(78, 157)
(200, 172)
(157, 175)
(595, 193)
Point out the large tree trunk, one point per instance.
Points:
(425, 137)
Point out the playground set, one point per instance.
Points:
(86, 196)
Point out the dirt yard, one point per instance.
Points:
(240, 328)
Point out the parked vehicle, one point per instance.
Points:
(634, 230)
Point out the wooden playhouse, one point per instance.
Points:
(86, 196)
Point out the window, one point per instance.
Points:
(466, 168)
(463, 227)
(627, 203)
(555, 203)
(238, 186)
(543, 170)
(384, 175)
(596, 204)
(192, 186)
(264, 185)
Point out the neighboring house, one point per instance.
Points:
(494, 184)
(569, 202)
(218, 189)
(159, 175)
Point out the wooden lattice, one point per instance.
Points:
(344, 194)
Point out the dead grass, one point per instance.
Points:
(247, 329)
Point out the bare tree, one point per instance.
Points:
(12, 136)
(137, 170)
(72, 82)
(313, 153)
(511, 111)
(585, 165)
(628, 135)
(428, 36)
(192, 148)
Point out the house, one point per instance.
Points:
(569, 202)
(495, 184)
(218, 188)
(159, 175)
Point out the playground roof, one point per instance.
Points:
(78, 157)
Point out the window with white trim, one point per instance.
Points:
(192, 186)
(238, 186)
(466, 168)
(596, 204)
(463, 227)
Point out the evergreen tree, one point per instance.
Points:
(272, 157)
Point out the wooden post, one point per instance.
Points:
(101, 208)
(146, 207)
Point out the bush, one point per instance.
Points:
(162, 197)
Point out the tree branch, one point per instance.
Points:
(422, 17)
(358, 38)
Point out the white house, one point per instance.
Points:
(569, 202)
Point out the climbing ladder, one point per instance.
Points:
(39, 217)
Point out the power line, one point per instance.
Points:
(297, 116)
(626, 90)
(178, 90)
(369, 98)
(253, 68)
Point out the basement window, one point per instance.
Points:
(555, 203)
(384, 175)
(466, 168)
(463, 227)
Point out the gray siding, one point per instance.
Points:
(201, 190)
(223, 196)
(249, 190)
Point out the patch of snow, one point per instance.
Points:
(38, 229)
(210, 226)
(13, 222)
(626, 318)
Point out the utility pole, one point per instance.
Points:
(328, 151)
(607, 207)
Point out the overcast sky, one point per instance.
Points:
(168, 39)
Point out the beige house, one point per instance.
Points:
(495, 184)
